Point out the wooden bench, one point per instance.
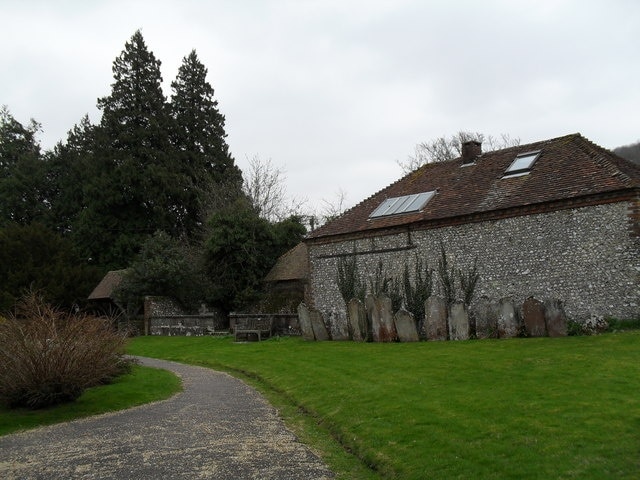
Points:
(260, 327)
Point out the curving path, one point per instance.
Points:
(216, 428)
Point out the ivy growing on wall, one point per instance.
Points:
(348, 279)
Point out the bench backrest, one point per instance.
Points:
(263, 324)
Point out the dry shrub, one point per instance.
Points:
(49, 357)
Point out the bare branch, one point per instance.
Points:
(264, 185)
(443, 148)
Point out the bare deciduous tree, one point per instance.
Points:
(447, 148)
(264, 185)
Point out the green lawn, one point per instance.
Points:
(142, 385)
(523, 408)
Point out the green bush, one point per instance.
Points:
(49, 357)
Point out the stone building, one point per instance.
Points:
(558, 219)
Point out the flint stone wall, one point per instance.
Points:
(589, 257)
(163, 316)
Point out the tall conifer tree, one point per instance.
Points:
(21, 172)
(199, 139)
(135, 189)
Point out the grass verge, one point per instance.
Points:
(142, 385)
(522, 408)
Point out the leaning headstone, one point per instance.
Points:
(486, 314)
(508, 324)
(533, 317)
(380, 315)
(458, 322)
(406, 326)
(555, 318)
(319, 328)
(387, 330)
(357, 320)
(304, 318)
(435, 319)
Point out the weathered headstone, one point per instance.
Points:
(387, 331)
(338, 325)
(435, 319)
(458, 322)
(373, 316)
(533, 317)
(319, 328)
(380, 311)
(406, 326)
(357, 320)
(555, 318)
(508, 324)
(486, 314)
(304, 319)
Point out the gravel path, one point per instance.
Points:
(217, 427)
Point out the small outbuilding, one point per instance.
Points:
(101, 298)
(286, 283)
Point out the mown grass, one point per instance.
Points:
(523, 408)
(142, 385)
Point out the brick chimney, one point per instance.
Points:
(471, 150)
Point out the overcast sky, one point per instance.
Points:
(336, 92)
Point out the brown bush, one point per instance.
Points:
(49, 356)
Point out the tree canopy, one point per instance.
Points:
(32, 257)
(22, 172)
(152, 176)
(240, 249)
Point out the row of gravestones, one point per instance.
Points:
(374, 320)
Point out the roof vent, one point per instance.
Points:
(471, 150)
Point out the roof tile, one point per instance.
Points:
(568, 167)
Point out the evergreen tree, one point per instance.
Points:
(134, 188)
(33, 257)
(22, 172)
(199, 140)
(68, 172)
(240, 250)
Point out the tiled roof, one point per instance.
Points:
(293, 265)
(568, 167)
(107, 285)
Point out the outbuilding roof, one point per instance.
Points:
(546, 172)
(292, 265)
(107, 285)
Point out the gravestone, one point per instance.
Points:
(318, 326)
(555, 318)
(508, 324)
(304, 318)
(380, 313)
(533, 317)
(486, 314)
(357, 320)
(338, 326)
(435, 319)
(406, 326)
(373, 316)
(458, 322)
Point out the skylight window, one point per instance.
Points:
(522, 164)
(405, 204)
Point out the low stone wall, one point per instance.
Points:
(189, 325)
(163, 316)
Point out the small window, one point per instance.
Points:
(405, 204)
(522, 164)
